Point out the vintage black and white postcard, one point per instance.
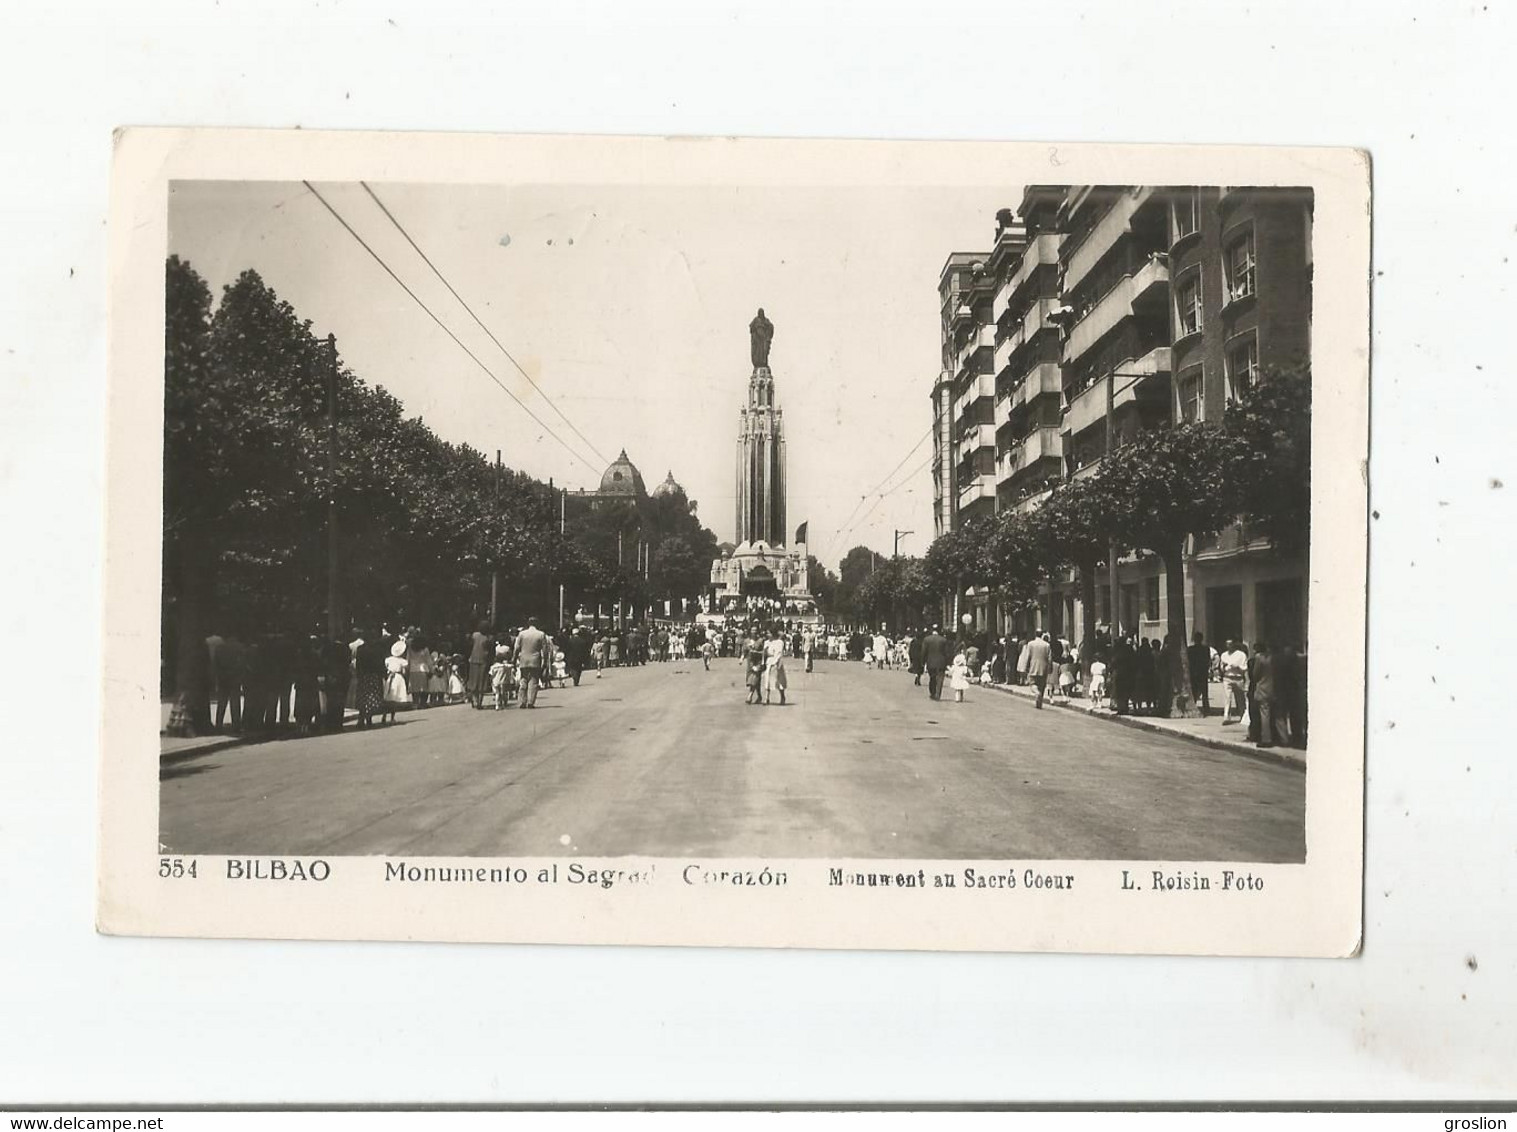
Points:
(736, 542)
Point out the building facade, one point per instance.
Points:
(956, 317)
(1114, 309)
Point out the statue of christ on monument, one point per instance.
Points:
(760, 334)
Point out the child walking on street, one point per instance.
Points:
(1098, 683)
(958, 676)
(1066, 677)
(500, 677)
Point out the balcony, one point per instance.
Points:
(1022, 454)
(1045, 377)
(1108, 230)
(1042, 250)
(1086, 407)
(980, 338)
(1006, 465)
(1037, 319)
(1003, 351)
(1038, 443)
(1086, 471)
(999, 303)
(980, 487)
(1155, 362)
(1033, 500)
(1089, 405)
(1111, 308)
(983, 385)
(977, 436)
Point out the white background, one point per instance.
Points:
(1427, 1012)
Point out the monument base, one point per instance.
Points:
(756, 579)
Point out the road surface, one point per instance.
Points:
(667, 760)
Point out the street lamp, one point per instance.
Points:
(897, 551)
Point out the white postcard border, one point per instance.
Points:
(1307, 909)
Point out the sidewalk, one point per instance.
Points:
(1207, 730)
(173, 748)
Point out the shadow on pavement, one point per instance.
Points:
(184, 771)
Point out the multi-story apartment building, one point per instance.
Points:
(952, 286)
(1113, 309)
(1241, 260)
(1029, 385)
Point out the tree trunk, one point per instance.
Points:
(1182, 707)
(1088, 600)
(194, 573)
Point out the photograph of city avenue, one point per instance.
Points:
(662, 521)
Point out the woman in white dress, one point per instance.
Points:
(774, 664)
(397, 691)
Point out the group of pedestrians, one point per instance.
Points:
(276, 682)
(1266, 689)
(764, 650)
(1266, 692)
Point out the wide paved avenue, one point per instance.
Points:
(668, 761)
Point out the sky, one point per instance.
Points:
(628, 306)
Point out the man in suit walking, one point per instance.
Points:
(1262, 670)
(1037, 661)
(531, 652)
(1198, 659)
(935, 660)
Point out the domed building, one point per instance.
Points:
(668, 487)
(621, 482)
(623, 479)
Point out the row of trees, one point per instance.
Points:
(1152, 494)
(424, 523)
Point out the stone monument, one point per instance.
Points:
(760, 576)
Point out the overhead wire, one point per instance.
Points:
(845, 525)
(882, 496)
(478, 321)
(473, 357)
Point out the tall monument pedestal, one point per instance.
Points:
(761, 463)
(758, 576)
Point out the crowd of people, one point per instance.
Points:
(1265, 688)
(278, 682)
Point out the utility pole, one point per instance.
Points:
(495, 573)
(563, 494)
(895, 606)
(337, 618)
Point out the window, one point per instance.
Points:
(1183, 215)
(1151, 598)
(1242, 366)
(1190, 396)
(1240, 267)
(1188, 305)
